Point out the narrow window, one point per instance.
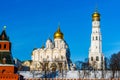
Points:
(91, 58)
(97, 58)
(4, 46)
(0, 46)
(96, 38)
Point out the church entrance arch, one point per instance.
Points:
(53, 67)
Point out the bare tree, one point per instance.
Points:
(118, 70)
(45, 69)
(94, 68)
(79, 67)
(115, 64)
(86, 68)
(104, 71)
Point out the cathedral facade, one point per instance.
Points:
(54, 56)
(96, 57)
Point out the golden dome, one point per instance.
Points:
(96, 16)
(58, 34)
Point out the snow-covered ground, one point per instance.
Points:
(29, 74)
(70, 74)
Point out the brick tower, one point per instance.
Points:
(8, 71)
(5, 49)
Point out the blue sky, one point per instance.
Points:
(30, 23)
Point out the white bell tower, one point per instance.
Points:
(96, 58)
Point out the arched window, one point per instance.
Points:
(97, 58)
(91, 58)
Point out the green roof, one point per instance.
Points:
(5, 36)
(7, 56)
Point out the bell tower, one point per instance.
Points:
(96, 58)
(5, 48)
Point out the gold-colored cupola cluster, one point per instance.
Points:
(58, 34)
(96, 16)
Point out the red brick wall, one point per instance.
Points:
(8, 73)
(8, 45)
(9, 76)
(7, 69)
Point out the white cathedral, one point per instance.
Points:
(96, 57)
(54, 56)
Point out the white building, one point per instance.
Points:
(54, 56)
(96, 57)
